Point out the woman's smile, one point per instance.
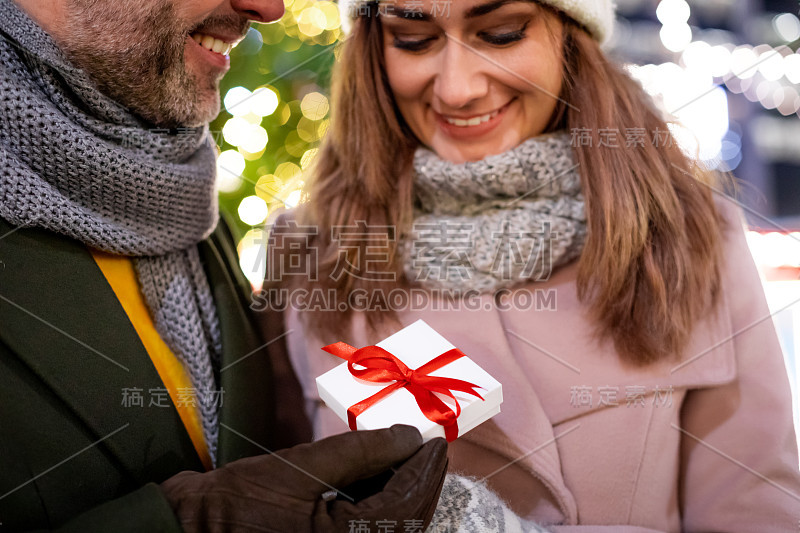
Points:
(471, 127)
(477, 82)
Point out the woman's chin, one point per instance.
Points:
(459, 153)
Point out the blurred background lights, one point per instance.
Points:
(269, 188)
(235, 131)
(230, 165)
(791, 67)
(744, 62)
(671, 12)
(719, 61)
(312, 21)
(293, 200)
(252, 118)
(251, 44)
(331, 12)
(790, 103)
(256, 140)
(253, 210)
(702, 58)
(771, 65)
(730, 153)
(698, 106)
(787, 26)
(288, 172)
(763, 74)
(697, 56)
(236, 101)
(675, 33)
(249, 137)
(264, 101)
(314, 106)
(252, 256)
(308, 158)
(676, 37)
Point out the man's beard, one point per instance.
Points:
(135, 52)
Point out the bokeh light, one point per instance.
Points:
(253, 210)
(315, 106)
(256, 140)
(230, 166)
(787, 26)
(252, 255)
(293, 200)
(237, 101)
(269, 188)
(264, 101)
(671, 12)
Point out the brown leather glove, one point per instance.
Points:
(379, 475)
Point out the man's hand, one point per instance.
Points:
(283, 492)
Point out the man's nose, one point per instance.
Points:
(259, 10)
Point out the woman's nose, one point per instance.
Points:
(461, 76)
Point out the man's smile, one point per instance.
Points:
(213, 44)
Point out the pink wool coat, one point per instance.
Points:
(586, 443)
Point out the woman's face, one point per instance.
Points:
(473, 78)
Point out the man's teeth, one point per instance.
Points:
(212, 44)
(474, 121)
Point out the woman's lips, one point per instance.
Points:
(471, 127)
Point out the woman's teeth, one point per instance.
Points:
(474, 121)
(212, 44)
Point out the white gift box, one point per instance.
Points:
(414, 345)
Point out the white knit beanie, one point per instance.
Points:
(597, 16)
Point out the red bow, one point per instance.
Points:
(383, 367)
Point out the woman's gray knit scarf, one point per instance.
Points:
(74, 162)
(494, 223)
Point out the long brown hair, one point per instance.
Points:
(650, 267)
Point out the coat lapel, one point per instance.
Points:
(62, 320)
(558, 349)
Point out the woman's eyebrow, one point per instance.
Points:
(473, 12)
(409, 13)
(483, 9)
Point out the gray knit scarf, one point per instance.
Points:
(494, 223)
(468, 506)
(75, 162)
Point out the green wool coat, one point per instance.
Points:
(75, 454)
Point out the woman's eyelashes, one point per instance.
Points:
(495, 38)
(504, 38)
(412, 44)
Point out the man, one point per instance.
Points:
(136, 391)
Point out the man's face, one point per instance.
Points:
(163, 59)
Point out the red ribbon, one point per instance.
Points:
(380, 366)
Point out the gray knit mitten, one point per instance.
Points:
(468, 506)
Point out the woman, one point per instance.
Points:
(605, 285)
